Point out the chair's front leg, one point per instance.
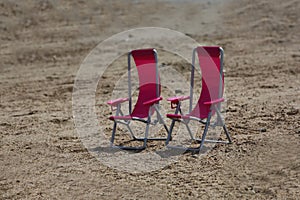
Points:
(169, 138)
(147, 128)
(205, 130)
(170, 132)
(112, 139)
(118, 110)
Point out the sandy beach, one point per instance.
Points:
(43, 44)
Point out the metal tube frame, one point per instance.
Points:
(192, 80)
(219, 119)
(148, 121)
(213, 107)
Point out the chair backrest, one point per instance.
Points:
(149, 83)
(211, 65)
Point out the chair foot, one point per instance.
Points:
(129, 148)
(185, 149)
(212, 141)
(152, 139)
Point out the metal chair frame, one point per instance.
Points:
(215, 106)
(154, 107)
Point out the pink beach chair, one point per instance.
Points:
(148, 99)
(211, 65)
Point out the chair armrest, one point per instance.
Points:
(153, 101)
(116, 102)
(175, 100)
(214, 101)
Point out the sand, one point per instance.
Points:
(43, 44)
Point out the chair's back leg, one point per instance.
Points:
(160, 118)
(227, 133)
(131, 132)
(219, 115)
(192, 81)
(129, 82)
(223, 123)
(189, 130)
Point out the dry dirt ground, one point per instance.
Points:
(42, 46)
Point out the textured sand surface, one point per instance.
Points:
(42, 46)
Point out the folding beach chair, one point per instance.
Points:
(148, 98)
(211, 65)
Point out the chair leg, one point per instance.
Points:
(227, 134)
(223, 123)
(161, 119)
(128, 147)
(202, 140)
(113, 134)
(169, 138)
(131, 132)
(146, 134)
(189, 130)
(205, 131)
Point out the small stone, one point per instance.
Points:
(178, 91)
(293, 112)
(263, 130)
